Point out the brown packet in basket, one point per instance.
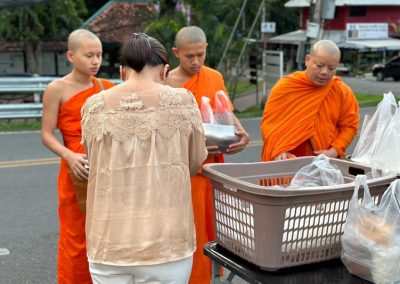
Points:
(80, 188)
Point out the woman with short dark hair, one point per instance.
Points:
(143, 139)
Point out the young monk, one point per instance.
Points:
(310, 112)
(190, 49)
(62, 103)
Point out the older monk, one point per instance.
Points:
(310, 112)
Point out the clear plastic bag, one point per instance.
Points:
(319, 173)
(387, 154)
(221, 114)
(207, 113)
(373, 128)
(218, 123)
(371, 240)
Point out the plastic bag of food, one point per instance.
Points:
(222, 112)
(207, 113)
(319, 173)
(218, 122)
(371, 239)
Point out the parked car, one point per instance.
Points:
(388, 69)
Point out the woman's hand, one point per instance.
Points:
(79, 165)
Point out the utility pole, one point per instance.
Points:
(219, 66)
(317, 18)
(234, 79)
(264, 37)
(314, 27)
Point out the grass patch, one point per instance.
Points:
(254, 111)
(244, 87)
(14, 126)
(365, 100)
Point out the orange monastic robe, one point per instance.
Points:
(205, 83)
(301, 117)
(72, 259)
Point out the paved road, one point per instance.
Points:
(368, 85)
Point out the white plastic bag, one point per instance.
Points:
(207, 113)
(371, 240)
(387, 154)
(319, 173)
(221, 114)
(218, 122)
(373, 129)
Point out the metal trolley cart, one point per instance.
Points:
(332, 271)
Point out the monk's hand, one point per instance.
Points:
(79, 165)
(213, 151)
(241, 144)
(332, 153)
(284, 156)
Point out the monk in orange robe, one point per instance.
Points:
(62, 103)
(190, 49)
(310, 112)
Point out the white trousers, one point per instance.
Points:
(175, 272)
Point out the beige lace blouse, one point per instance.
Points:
(142, 149)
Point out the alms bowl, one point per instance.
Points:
(220, 135)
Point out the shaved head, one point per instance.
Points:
(190, 35)
(75, 38)
(322, 62)
(326, 46)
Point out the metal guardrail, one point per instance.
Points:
(27, 80)
(20, 111)
(35, 85)
(25, 85)
(29, 84)
(22, 88)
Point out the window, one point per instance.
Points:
(358, 11)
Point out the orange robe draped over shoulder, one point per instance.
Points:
(205, 83)
(72, 259)
(299, 115)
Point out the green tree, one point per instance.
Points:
(51, 20)
(167, 24)
(217, 18)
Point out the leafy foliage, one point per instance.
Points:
(217, 18)
(50, 20)
(164, 29)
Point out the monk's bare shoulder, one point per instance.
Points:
(177, 78)
(55, 89)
